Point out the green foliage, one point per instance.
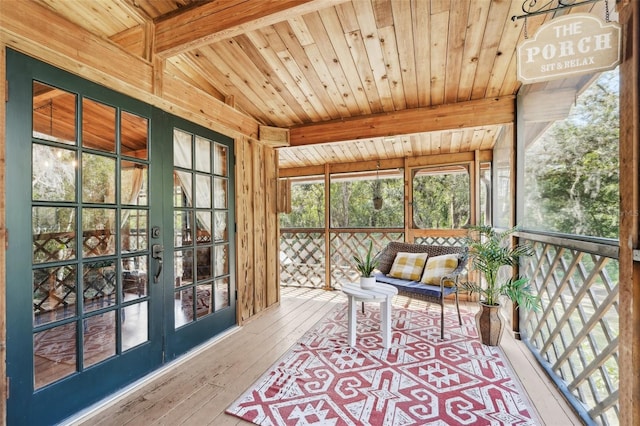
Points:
(441, 200)
(307, 207)
(571, 172)
(489, 251)
(352, 203)
(366, 264)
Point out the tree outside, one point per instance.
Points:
(571, 171)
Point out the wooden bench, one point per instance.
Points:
(416, 289)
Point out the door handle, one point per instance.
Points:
(157, 253)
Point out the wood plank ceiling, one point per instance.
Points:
(350, 66)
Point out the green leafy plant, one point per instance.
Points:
(366, 264)
(489, 251)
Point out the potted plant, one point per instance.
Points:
(490, 251)
(365, 266)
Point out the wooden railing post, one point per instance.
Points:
(327, 236)
(629, 18)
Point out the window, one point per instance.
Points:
(571, 161)
(307, 203)
(441, 197)
(353, 204)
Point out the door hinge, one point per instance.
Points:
(6, 239)
(636, 255)
(8, 386)
(6, 91)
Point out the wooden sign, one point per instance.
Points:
(569, 45)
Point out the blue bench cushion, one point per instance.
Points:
(413, 286)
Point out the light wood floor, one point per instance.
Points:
(197, 389)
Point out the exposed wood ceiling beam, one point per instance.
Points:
(459, 115)
(216, 21)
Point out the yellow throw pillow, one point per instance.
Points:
(408, 266)
(439, 266)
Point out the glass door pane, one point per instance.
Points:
(89, 245)
(201, 238)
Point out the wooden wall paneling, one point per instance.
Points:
(322, 53)
(274, 136)
(197, 106)
(228, 57)
(420, 11)
(458, 18)
(445, 144)
(272, 235)
(407, 147)
(245, 281)
(261, 45)
(373, 48)
(218, 21)
(88, 15)
(498, 14)
(397, 147)
(629, 297)
(302, 156)
(200, 60)
(438, 62)
(331, 93)
(197, 72)
(456, 141)
(74, 49)
(295, 77)
(477, 140)
(394, 72)
(364, 61)
(3, 237)
(67, 45)
(302, 71)
(341, 51)
(476, 24)
(403, 25)
(133, 40)
(507, 86)
(259, 226)
(510, 35)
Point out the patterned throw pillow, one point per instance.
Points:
(439, 266)
(408, 266)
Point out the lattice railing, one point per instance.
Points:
(346, 244)
(303, 254)
(302, 257)
(447, 241)
(575, 334)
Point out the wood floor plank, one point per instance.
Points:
(197, 390)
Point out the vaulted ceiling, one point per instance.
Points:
(352, 80)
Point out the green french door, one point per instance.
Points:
(201, 295)
(120, 251)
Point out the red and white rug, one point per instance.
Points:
(419, 380)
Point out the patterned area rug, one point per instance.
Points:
(419, 380)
